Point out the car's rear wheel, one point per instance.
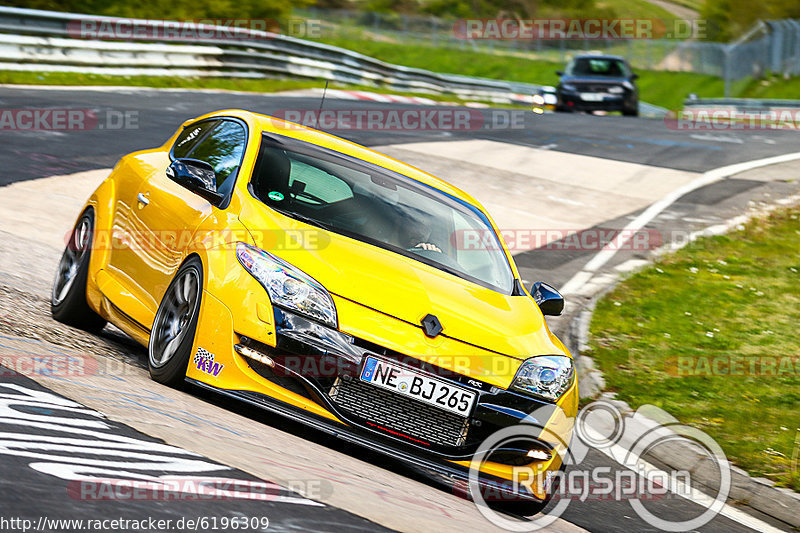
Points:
(174, 327)
(68, 299)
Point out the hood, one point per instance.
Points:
(404, 288)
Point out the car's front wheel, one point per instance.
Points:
(174, 327)
(68, 299)
(531, 508)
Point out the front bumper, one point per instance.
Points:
(311, 360)
(610, 102)
(306, 361)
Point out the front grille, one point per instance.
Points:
(393, 412)
(592, 88)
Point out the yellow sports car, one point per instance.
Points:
(324, 281)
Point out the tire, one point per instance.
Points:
(525, 509)
(530, 508)
(175, 325)
(68, 298)
(630, 112)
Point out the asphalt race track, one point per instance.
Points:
(160, 113)
(42, 416)
(210, 437)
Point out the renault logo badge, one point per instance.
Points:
(431, 326)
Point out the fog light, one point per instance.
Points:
(250, 353)
(539, 455)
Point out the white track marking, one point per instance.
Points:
(574, 285)
(615, 451)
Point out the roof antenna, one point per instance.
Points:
(321, 103)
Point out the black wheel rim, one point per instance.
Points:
(174, 317)
(71, 259)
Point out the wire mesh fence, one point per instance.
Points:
(772, 46)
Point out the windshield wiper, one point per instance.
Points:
(306, 219)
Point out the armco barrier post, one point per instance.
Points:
(726, 69)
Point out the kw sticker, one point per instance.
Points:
(204, 361)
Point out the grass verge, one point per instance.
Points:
(637, 9)
(727, 301)
(262, 85)
(773, 87)
(665, 89)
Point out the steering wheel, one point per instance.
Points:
(423, 249)
(308, 195)
(436, 255)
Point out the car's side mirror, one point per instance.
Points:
(547, 298)
(197, 176)
(560, 72)
(634, 76)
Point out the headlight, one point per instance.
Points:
(288, 286)
(616, 89)
(568, 87)
(628, 85)
(548, 376)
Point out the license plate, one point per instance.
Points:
(431, 391)
(592, 97)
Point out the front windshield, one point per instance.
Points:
(372, 204)
(598, 66)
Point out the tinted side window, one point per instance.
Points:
(189, 137)
(222, 149)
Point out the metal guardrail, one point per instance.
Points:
(36, 40)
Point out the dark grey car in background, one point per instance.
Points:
(598, 83)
